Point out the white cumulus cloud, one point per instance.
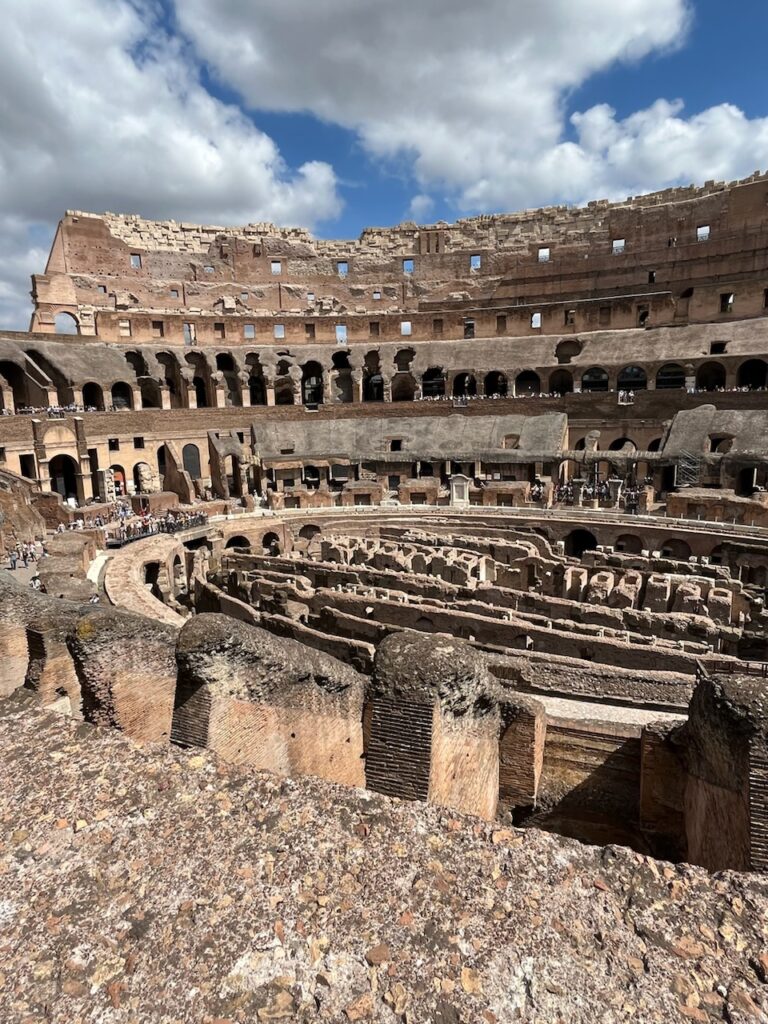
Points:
(102, 110)
(474, 95)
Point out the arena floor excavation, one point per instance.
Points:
(384, 630)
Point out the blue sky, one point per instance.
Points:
(341, 114)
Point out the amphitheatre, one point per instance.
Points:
(399, 649)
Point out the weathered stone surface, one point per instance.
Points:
(141, 884)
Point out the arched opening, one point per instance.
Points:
(118, 474)
(201, 392)
(496, 383)
(629, 544)
(632, 378)
(239, 542)
(162, 461)
(433, 383)
(527, 383)
(561, 382)
(17, 381)
(312, 383)
(671, 375)
(579, 541)
(142, 474)
(122, 396)
(54, 374)
(424, 624)
(66, 323)
(137, 363)
(309, 532)
(620, 443)
(190, 457)
(311, 477)
(745, 484)
(403, 359)
(373, 387)
(594, 379)
(171, 374)
(753, 374)
(150, 394)
(464, 386)
(654, 445)
(93, 396)
(403, 387)
(677, 549)
(225, 365)
(151, 579)
(717, 555)
(710, 376)
(568, 350)
(580, 445)
(341, 377)
(270, 544)
(63, 471)
(257, 391)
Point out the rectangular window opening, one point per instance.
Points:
(501, 324)
(174, 293)
(310, 298)
(396, 444)
(158, 329)
(437, 327)
(190, 333)
(249, 331)
(406, 327)
(726, 302)
(208, 268)
(135, 261)
(536, 321)
(377, 296)
(651, 277)
(219, 331)
(374, 328)
(102, 289)
(408, 266)
(604, 315)
(276, 266)
(718, 348)
(113, 444)
(243, 296)
(124, 328)
(618, 246)
(343, 268)
(309, 332)
(341, 334)
(138, 442)
(469, 328)
(570, 317)
(702, 232)
(475, 262)
(544, 255)
(278, 331)
(765, 299)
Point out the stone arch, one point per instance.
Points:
(225, 365)
(710, 376)
(93, 396)
(64, 473)
(464, 385)
(433, 382)
(309, 531)
(137, 363)
(66, 323)
(403, 359)
(190, 457)
(619, 443)
(312, 383)
(137, 476)
(632, 378)
(270, 543)
(676, 548)
(17, 381)
(561, 382)
(151, 397)
(629, 544)
(753, 374)
(527, 382)
(162, 461)
(341, 376)
(173, 379)
(118, 473)
(567, 350)
(122, 395)
(670, 375)
(373, 381)
(594, 379)
(496, 383)
(403, 387)
(655, 445)
(238, 541)
(578, 541)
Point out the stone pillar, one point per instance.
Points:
(220, 394)
(136, 396)
(165, 397)
(245, 390)
(432, 724)
(615, 487)
(386, 384)
(269, 387)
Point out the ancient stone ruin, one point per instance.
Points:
(397, 651)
